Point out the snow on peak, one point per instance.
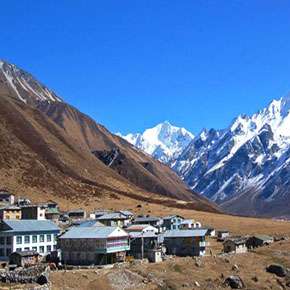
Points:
(24, 86)
(163, 142)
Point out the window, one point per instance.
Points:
(26, 249)
(48, 248)
(54, 247)
(34, 239)
(8, 252)
(26, 239)
(41, 249)
(9, 240)
(2, 240)
(17, 217)
(48, 238)
(18, 249)
(41, 238)
(18, 240)
(34, 249)
(1, 252)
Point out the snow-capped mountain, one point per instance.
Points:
(246, 167)
(164, 141)
(23, 86)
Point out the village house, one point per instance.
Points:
(155, 255)
(188, 224)
(77, 214)
(24, 258)
(52, 213)
(172, 222)
(150, 220)
(259, 241)
(98, 213)
(33, 212)
(235, 245)
(114, 219)
(210, 231)
(11, 212)
(128, 214)
(222, 235)
(142, 244)
(27, 235)
(185, 242)
(94, 245)
(51, 204)
(141, 229)
(21, 201)
(6, 197)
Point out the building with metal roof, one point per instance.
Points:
(185, 242)
(172, 222)
(94, 245)
(114, 219)
(259, 241)
(235, 245)
(27, 235)
(141, 229)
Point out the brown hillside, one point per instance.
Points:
(140, 169)
(39, 160)
(49, 145)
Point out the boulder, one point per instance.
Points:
(235, 282)
(277, 269)
(43, 279)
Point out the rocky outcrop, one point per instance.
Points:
(278, 270)
(37, 274)
(235, 282)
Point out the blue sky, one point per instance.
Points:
(132, 64)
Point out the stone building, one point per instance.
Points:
(185, 242)
(235, 245)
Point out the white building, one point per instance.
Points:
(24, 235)
(141, 229)
(188, 224)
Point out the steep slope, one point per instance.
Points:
(164, 142)
(244, 168)
(60, 141)
(139, 168)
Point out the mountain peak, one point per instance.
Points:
(17, 83)
(163, 142)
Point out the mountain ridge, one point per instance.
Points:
(61, 140)
(244, 167)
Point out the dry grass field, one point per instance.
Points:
(184, 273)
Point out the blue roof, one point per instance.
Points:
(185, 233)
(112, 216)
(92, 232)
(91, 223)
(29, 226)
(146, 219)
(126, 212)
